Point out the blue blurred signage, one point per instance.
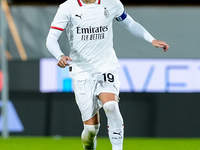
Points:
(14, 122)
(136, 75)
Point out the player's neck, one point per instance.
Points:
(89, 1)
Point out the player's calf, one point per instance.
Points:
(115, 124)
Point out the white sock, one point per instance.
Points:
(89, 136)
(115, 124)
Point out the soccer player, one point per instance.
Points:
(92, 61)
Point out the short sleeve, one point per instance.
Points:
(119, 8)
(61, 18)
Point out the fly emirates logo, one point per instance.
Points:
(92, 33)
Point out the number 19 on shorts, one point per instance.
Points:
(108, 77)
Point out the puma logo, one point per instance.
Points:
(117, 138)
(79, 16)
(118, 133)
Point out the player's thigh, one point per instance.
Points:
(108, 86)
(106, 97)
(86, 100)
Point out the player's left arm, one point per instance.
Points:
(139, 31)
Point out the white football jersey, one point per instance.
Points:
(90, 34)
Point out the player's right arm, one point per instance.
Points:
(52, 43)
(57, 26)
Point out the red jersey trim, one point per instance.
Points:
(57, 28)
(79, 2)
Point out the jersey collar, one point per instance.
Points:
(80, 2)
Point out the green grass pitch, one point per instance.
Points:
(74, 143)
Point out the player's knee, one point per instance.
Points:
(90, 131)
(110, 106)
(94, 129)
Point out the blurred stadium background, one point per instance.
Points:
(160, 91)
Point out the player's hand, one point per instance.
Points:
(62, 62)
(162, 44)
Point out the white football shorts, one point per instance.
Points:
(87, 91)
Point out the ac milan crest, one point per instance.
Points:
(106, 12)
